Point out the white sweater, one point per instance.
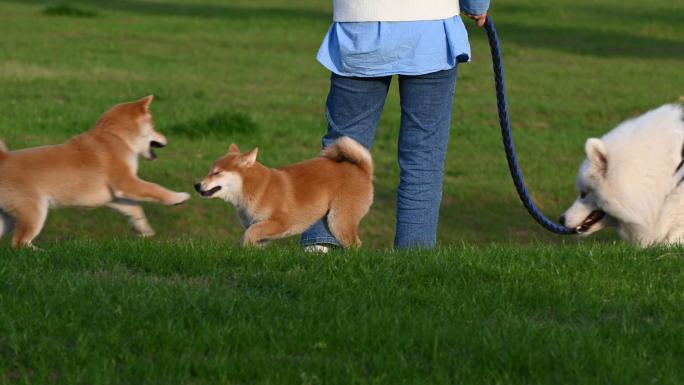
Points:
(393, 10)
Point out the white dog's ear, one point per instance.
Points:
(233, 148)
(250, 157)
(596, 153)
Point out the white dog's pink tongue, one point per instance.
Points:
(594, 217)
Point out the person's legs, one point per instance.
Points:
(353, 109)
(426, 102)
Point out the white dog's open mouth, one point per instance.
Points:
(590, 220)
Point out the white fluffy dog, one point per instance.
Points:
(632, 179)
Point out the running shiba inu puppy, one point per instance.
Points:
(93, 169)
(275, 203)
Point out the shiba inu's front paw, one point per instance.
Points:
(143, 228)
(147, 233)
(177, 198)
(32, 247)
(140, 224)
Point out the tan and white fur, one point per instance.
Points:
(97, 168)
(632, 178)
(275, 203)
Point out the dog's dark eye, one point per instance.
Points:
(583, 194)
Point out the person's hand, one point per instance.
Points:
(479, 19)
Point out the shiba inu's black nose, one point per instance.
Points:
(561, 220)
(207, 193)
(155, 144)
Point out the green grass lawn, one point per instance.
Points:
(207, 313)
(500, 302)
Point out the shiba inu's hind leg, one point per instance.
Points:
(29, 218)
(260, 233)
(136, 216)
(6, 223)
(343, 221)
(344, 229)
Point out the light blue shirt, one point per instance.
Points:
(369, 49)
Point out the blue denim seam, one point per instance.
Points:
(318, 241)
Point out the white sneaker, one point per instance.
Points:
(322, 249)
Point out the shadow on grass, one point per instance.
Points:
(598, 13)
(68, 10)
(674, 14)
(193, 10)
(598, 43)
(219, 125)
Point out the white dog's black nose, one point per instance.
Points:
(561, 220)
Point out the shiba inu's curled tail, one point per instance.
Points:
(3, 150)
(349, 150)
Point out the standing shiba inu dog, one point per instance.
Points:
(93, 169)
(275, 203)
(633, 179)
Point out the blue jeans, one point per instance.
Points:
(353, 109)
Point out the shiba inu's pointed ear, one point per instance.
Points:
(250, 157)
(596, 153)
(233, 148)
(145, 102)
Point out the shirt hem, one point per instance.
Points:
(422, 71)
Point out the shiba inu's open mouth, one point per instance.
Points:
(207, 193)
(592, 219)
(154, 144)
